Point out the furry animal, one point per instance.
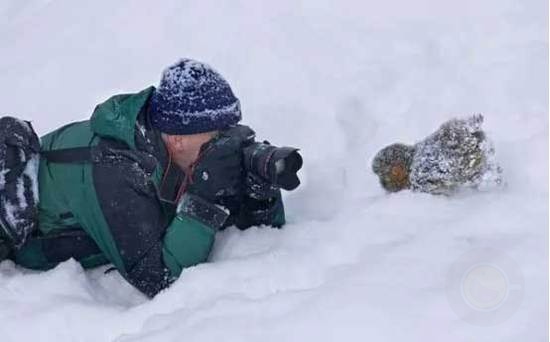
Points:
(457, 155)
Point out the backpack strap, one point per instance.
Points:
(74, 155)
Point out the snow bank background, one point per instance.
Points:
(340, 79)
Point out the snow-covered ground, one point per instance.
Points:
(340, 79)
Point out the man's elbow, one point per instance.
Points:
(149, 280)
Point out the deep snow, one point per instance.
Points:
(340, 79)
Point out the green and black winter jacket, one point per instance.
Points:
(116, 205)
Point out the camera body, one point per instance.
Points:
(276, 166)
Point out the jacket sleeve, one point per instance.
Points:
(153, 247)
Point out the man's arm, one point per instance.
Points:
(153, 251)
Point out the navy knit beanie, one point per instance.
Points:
(193, 98)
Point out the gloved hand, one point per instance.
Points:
(219, 170)
(258, 189)
(217, 174)
(261, 204)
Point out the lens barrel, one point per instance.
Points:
(276, 165)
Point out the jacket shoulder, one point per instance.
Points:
(116, 117)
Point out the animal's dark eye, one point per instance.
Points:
(479, 135)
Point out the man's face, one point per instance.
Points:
(185, 148)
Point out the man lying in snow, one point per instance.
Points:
(458, 155)
(144, 184)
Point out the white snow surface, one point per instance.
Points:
(339, 79)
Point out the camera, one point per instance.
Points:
(277, 166)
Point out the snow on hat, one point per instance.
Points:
(193, 98)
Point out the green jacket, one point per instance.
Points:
(117, 206)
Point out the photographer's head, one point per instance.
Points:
(185, 149)
(192, 103)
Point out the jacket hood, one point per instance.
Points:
(116, 117)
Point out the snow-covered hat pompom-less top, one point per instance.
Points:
(193, 98)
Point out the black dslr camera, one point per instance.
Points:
(263, 169)
(277, 166)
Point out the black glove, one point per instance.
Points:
(219, 170)
(258, 189)
(217, 174)
(261, 204)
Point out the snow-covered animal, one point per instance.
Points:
(457, 155)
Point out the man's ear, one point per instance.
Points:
(175, 143)
(179, 142)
